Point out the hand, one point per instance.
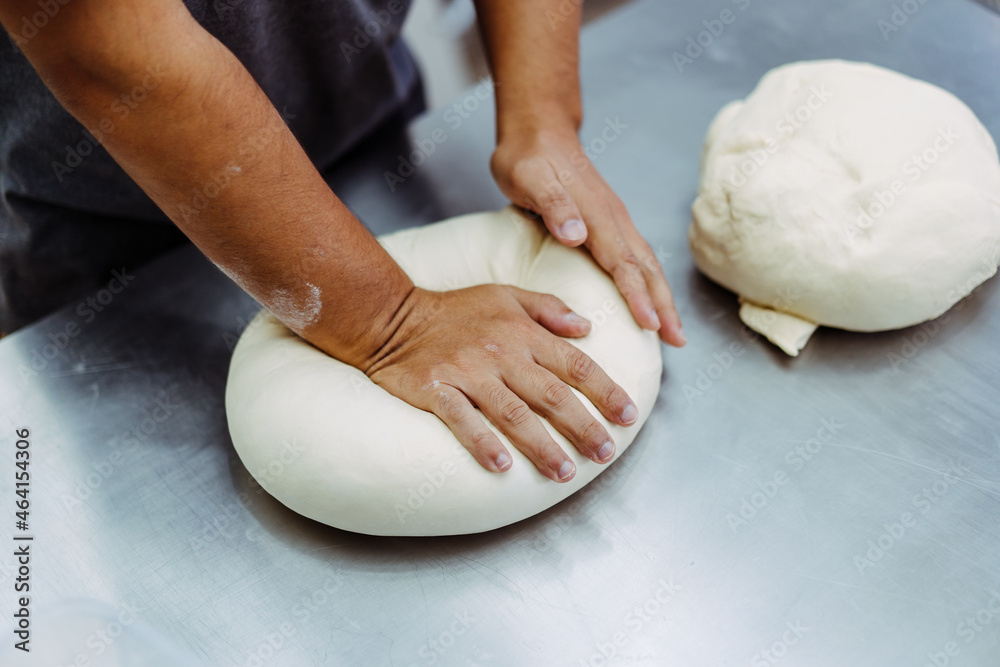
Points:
(547, 172)
(498, 347)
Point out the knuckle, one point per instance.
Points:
(614, 396)
(581, 367)
(628, 277)
(496, 395)
(553, 196)
(650, 263)
(628, 261)
(524, 329)
(482, 441)
(423, 379)
(514, 412)
(411, 381)
(450, 408)
(555, 395)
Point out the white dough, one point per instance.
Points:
(329, 443)
(846, 195)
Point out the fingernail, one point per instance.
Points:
(503, 461)
(566, 470)
(680, 334)
(630, 414)
(573, 230)
(573, 318)
(606, 451)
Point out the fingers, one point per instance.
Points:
(505, 360)
(508, 413)
(624, 254)
(455, 410)
(514, 419)
(543, 192)
(552, 398)
(663, 300)
(578, 206)
(551, 313)
(583, 374)
(615, 256)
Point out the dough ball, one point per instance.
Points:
(329, 443)
(846, 195)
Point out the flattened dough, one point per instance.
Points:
(330, 444)
(846, 195)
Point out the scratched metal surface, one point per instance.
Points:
(842, 508)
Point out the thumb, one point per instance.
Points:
(551, 313)
(549, 198)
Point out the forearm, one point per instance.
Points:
(533, 48)
(208, 147)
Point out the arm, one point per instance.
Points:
(539, 162)
(208, 147)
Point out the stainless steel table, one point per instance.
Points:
(841, 508)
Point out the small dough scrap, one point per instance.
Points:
(846, 195)
(788, 332)
(330, 444)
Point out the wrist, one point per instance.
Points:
(538, 119)
(417, 306)
(527, 141)
(358, 332)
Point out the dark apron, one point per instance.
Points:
(69, 215)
